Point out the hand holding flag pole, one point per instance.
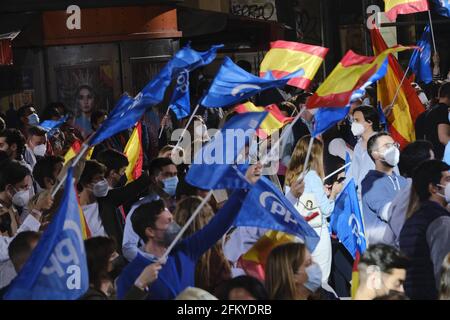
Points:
(162, 126)
(187, 124)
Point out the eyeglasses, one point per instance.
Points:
(388, 145)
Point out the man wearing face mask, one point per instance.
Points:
(380, 186)
(365, 124)
(27, 117)
(15, 191)
(99, 203)
(164, 182)
(36, 146)
(382, 269)
(425, 236)
(155, 225)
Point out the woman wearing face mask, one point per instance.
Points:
(100, 203)
(315, 204)
(101, 255)
(366, 123)
(292, 275)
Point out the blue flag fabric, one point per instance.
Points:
(441, 7)
(346, 220)
(325, 118)
(128, 110)
(181, 101)
(51, 125)
(57, 268)
(266, 207)
(383, 120)
(233, 84)
(214, 166)
(420, 62)
(348, 159)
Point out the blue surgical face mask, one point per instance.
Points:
(33, 119)
(170, 185)
(314, 281)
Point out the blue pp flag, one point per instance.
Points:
(233, 84)
(181, 101)
(420, 62)
(129, 110)
(325, 118)
(266, 207)
(57, 268)
(346, 220)
(215, 165)
(441, 7)
(51, 125)
(348, 159)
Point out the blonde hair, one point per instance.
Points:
(298, 158)
(281, 266)
(184, 210)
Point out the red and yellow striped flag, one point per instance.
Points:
(285, 57)
(86, 232)
(350, 74)
(407, 106)
(396, 7)
(135, 155)
(74, 150)
(355, 276)
(274, 121)
(253, 262)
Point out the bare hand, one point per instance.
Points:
(44, 201)
(149, 274)
(336, 189)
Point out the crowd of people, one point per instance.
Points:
(404, 196)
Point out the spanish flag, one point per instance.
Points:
(134, 153)
(274, 121)
(349, 75)
(253, 262)
(396, 7)
(407, 106)
(74, 150)
(355, 276)
(285, 57)
(86, 232)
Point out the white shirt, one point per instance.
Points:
(131, 243)
(93, 220)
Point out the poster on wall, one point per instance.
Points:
(84, 87)
(257, 9)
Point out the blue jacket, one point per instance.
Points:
(378, 190)
(179, 271)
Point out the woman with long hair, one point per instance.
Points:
(444, 287)
(315, 199)
(213, 268)
(286, 272)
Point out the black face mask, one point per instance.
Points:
(5, 223)
(117, 266)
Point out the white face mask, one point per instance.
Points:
(357, 129)
(391, 156)
(101, 188)
(40, 150)
(22, 197)
(446, 194)
(314, 281)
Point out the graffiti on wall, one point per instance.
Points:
(257, 9)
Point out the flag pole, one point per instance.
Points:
(308, 155)
(432, 30)
(188, 123)
(283, 135)
(336, 171)
(398, 90)
(78, 157)
(186, 225)
(162, 127)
